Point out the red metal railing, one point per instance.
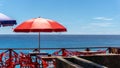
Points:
(10, 58)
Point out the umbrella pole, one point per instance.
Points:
(39, 41)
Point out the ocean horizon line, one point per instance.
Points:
(59, 34)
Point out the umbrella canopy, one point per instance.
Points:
(6, 21)
(40, 25)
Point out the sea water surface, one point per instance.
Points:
(58, 41)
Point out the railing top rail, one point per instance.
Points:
(55, 48)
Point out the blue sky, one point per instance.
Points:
(78, 16)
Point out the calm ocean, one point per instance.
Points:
(55, 41)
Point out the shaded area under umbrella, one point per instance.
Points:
(6, 21)
(40, 25)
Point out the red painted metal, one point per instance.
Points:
(26, 60)
(64, 52)
(44, 63)
(9, 58)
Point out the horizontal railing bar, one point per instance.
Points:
(54, 48)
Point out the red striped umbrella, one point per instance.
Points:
(40, 25)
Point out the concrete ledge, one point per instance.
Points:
(86, 63)
(63, 63)
(111, 61)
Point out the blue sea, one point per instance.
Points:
(59, 41)
(55, 41)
